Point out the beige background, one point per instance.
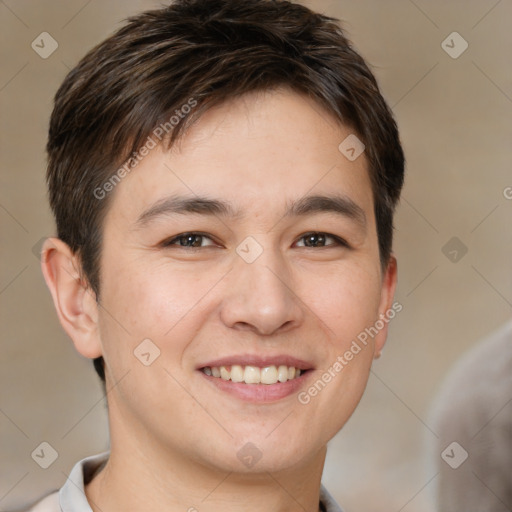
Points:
(455, 117)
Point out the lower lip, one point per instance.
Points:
(258, 393)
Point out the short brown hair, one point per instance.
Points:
(210, 51)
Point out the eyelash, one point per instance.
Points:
(169, 242)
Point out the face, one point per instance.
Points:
(218, 255)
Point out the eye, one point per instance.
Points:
(193, 240)
(187, 240)
(317, 239)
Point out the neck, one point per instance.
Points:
(141, 475)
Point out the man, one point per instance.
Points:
(223, 176)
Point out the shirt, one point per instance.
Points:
(71, 496)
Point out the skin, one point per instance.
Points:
(174, 435)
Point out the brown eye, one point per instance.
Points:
(187, 240)
(318, 239)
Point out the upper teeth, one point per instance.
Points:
(253, 374)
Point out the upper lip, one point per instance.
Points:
(259, 361)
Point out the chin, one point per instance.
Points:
(260, 455)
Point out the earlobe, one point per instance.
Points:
(389, 282)
(75, 304)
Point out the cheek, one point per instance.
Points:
(346, 301)
(145, 330)
(153, 302)
(347, 306)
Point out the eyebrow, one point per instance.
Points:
(308, 205)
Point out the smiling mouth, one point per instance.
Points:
(254, 374)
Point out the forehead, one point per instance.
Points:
(258, 152)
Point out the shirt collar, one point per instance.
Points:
(72, 494)
(73, 499)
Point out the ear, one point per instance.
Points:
(386, 311)
(75, 303)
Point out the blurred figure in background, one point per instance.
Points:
(473, 416)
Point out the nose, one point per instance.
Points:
(262, 296)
